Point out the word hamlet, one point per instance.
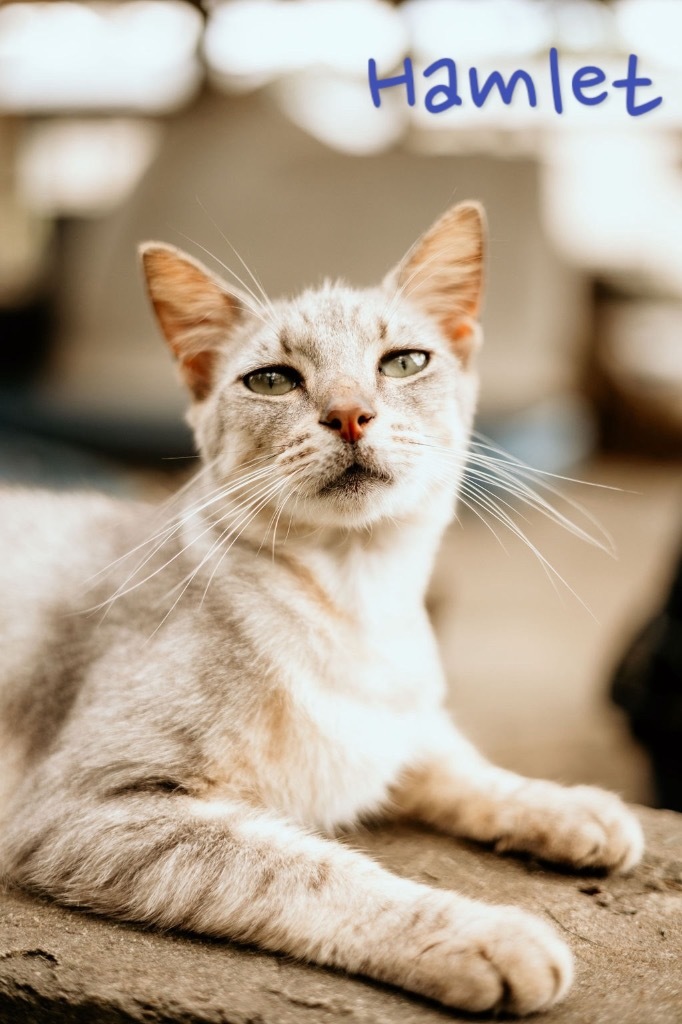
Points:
(588, 85)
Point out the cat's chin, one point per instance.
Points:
(357, 481)
(353, 496)
(357, 500)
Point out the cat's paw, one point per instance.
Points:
(495, 958)
(579, 825)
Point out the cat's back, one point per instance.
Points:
(51, 541)
(51, 545)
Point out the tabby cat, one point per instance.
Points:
(193, 703)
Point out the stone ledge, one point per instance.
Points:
(66, 967)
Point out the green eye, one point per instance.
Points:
(273, 380)
(403, 364)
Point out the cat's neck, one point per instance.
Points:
(391, 560)
(386, 564)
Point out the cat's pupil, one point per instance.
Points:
(403, 364)
(272, 381)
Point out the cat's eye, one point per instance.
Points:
(272, 380)
(403, 364)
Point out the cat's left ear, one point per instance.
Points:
(442, 274)
(195, 309)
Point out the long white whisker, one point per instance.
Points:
(485, 501)
(187, 580)
(486, 443)
(236, 534)
(254, 306)
(246, 503)
(254, 278)
(503, 475)
(124, 589)
(168, 532)
(472, 493)
(280, 508)
(291, 517)
(176, 523)
(472, 508)
(519, 489)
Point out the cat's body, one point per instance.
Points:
(264, 670)
(351, 706)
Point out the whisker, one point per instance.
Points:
(254, 278)
(481, 441)
(171, 528)
(530, 497)
(472, 508)
(291, 516)
(245, 503)
(279, 509)
(503, 475)
(257, 310)
(486, 502)
(482, 471)
(162, 507)
(125, 589)
(248, 517)
(168, 532)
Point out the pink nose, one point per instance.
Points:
(349, 418)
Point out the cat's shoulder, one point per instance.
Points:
(36, 504)
(58, 527)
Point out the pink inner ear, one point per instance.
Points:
(461, 333)
(194, 328)
(460, 330)
(444, 274)
(195, 310)
(198, 373)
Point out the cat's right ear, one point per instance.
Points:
(442, 274)
(194, 308)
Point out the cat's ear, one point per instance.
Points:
(195, 310)
(442, 274)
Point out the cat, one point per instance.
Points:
(256, 672)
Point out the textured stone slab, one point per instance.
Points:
(64, 966)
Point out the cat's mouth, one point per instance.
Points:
(355, 479)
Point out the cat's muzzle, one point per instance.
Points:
(355, 479)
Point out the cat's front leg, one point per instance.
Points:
(231, 871)
(456, 790)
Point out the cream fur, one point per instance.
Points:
(193, 704)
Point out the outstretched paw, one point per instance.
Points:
(495, 958)
(582, 826)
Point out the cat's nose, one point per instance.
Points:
(349, 417)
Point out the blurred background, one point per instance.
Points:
(246, 126)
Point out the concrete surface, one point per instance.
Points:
(70, 968)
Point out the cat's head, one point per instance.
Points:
(345, 405)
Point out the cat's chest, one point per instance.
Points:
(325, 760)
(354, 637)
(387, 662)
(332, 736)
(342, 684)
